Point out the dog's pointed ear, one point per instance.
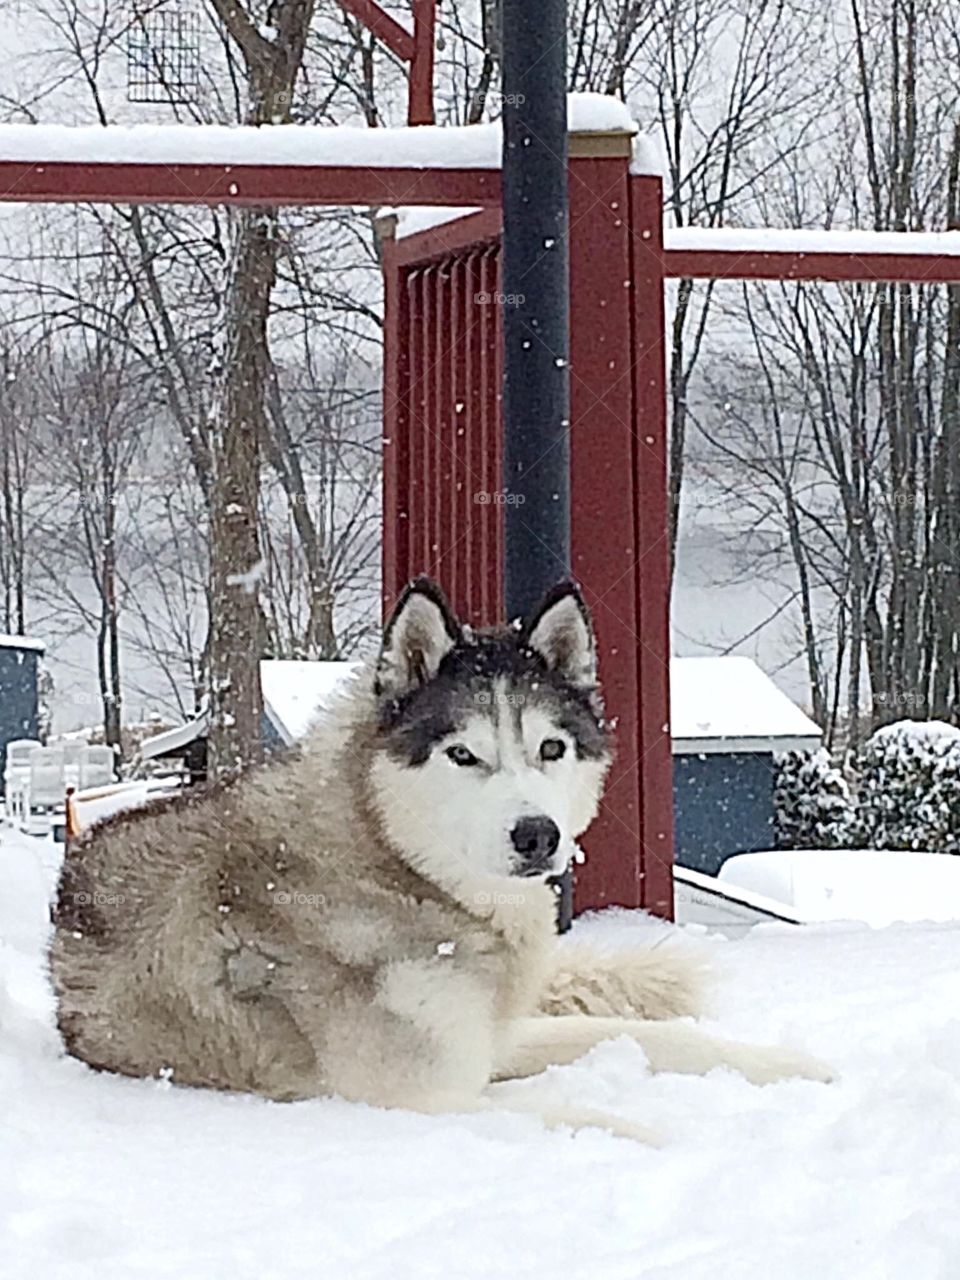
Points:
(559, 630)
(420, 633)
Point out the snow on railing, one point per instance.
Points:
(276, 165)
(775, 253)
(475, 147)
(342, 146)
(794, 241)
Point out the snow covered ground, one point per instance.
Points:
(876, 886)
(104, 1177)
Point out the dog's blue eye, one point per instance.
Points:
(461, 755)
(552, 749)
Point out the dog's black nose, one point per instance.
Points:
(536, 840)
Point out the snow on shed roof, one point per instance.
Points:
(718, 705)
(173, 741)
(729, 704)
(22, 642)
(293, 692)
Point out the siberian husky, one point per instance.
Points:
(372, 917)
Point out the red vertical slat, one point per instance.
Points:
(396, 428)
(451, 511)
(460, 319)
(443, 428)
(485, 429)
(472, 439)
(415, 495)
(429, 413)
(438, 423)
(466, 424)
(428, 435)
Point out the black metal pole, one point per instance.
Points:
(536, 308)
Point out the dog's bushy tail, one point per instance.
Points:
(663, 980)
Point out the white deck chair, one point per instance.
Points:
(97, 768)
(16, 778)
(73, 757)
(47, 788)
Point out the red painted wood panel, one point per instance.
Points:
(383, 26)
(416, 497)
(865, 266)
(420, 91)
(451, 457)
(493, 546)
(93, 182)
(443, 347)
(396, 429)
(480, 229)
(652, 579)
(456, 534)
(614, 540)
(603, 515)
(486, 424)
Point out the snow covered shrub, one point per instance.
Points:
(941, 808)
(909, 787)
(811, 800)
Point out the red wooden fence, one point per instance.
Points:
(442, 383)
(442, 455)
(444, 491)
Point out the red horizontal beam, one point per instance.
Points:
(864, 266)
(372, 186)
(127, 183)
(387, 30)
(450, 237)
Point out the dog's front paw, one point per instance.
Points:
(769, 1063)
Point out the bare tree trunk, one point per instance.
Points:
(236, 622)
(237, 626)
(13, 444)
(945, 491)
(108, 654)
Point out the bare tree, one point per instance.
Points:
(17, 452)
(95, 403)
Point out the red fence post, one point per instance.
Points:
(619, 522)
(447, 433)
(652, 583)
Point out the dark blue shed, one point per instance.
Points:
(19, 700)
(728, 720)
